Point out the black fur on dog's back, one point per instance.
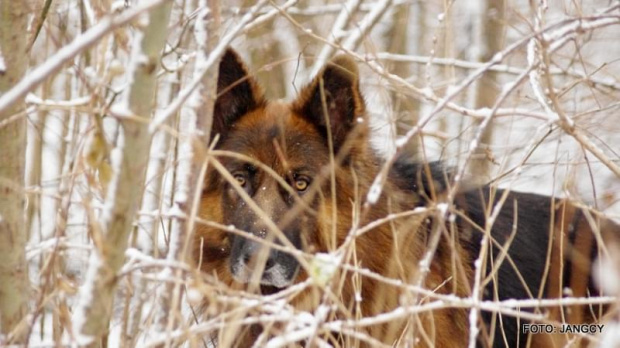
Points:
(523, 227)
(528, 250)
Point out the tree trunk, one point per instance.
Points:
(124, 194)
(488, 39)
(14, 286)
(406, 108)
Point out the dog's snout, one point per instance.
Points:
(254, 252)
(278, 268)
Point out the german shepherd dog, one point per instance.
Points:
(290, 184)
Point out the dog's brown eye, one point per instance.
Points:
(240, 179)
(301, 184)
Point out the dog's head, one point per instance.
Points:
(279, 160)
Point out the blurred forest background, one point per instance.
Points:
(103, 105)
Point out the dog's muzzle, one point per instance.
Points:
(280, 268)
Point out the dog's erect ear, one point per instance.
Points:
(342, 105)
(237, 93)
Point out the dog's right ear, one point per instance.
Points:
(237, 94)
(333, 101)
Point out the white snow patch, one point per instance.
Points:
(200, 27)
(607, 276)
(91, 76)
(338, 33)
(358, 296)
(32, 98)
(134, 254)
(401, 142)
(485, 112)
(375, 190)
(321, 313)
(610, 335)
(2, 63)
(143, 20)
(121, 109)
(477, 263)
(290, 337)
(116, 160)
(324, 266)
(473, 145)
(117, 6)
(568, 292)
(427, 92)
(508, 87)
(176, 212)
(116, 67)
(452, 89)
(86, 298)
(443, 208)
(304, 317)
(424, 264)
(194, 296)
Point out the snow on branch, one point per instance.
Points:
(65, 54)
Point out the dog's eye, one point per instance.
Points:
(241, 180)
(301, 184)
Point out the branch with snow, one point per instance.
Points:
(538, 51)
(81, 43)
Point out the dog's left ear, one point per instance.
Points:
(333, 95)
(237, 94)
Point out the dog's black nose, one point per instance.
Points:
(270, 263)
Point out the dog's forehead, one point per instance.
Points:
(275, 130)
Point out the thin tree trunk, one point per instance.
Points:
(489, 34)
(124, 194)
(14, 286)
(264, 49)
(406, 108)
